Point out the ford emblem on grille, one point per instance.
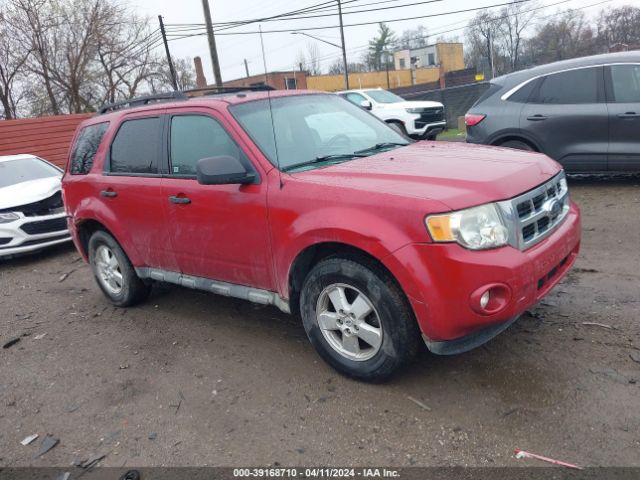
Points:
(553, 207)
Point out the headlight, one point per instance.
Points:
(8, 217)
(476, 228)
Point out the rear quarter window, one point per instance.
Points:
(489, 92)
(524, 93)
(85, 148)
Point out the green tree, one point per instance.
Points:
(380, 47)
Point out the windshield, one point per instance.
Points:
(313, 129)
(382, 96)
(24, 170)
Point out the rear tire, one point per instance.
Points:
(358, 319)
(518, 145)
(114, 273)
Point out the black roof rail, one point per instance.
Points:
(222, 90)
(140, 101)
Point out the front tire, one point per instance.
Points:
(114, 273)
(518, 145)
(358, 319)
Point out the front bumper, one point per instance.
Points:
(29, 234)
(442, 281)
(422, 130)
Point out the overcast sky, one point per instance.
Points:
(282, 48)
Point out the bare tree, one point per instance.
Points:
(568, 35)
(313, 59)
(620, 26)
(301, 61)
(34, 23)
(12, 60)
(414, 38)
(481, 40)
(185, 75)
(125, 56)
(83, 53)
(512, 23)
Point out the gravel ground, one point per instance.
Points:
(190, 378)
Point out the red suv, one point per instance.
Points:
(304, 201)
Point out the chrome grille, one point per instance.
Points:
(534, 215)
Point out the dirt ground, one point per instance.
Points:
(191, 378)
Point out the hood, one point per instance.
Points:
(457, 175)
(28, 192)
(416, 104)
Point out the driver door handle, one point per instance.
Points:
(108, 193)
(629, 115)
(179, 200)
(537, 118)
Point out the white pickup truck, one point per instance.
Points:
(420, 119)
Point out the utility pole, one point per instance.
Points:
(344, 49)
(386, 62)
(246, 67)
(166, 49)
(212, 43)
(493, 69)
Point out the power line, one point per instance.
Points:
(324, 59)
(466, 10)
(286, 17)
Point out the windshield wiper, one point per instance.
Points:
(380, 146)
(324, 158)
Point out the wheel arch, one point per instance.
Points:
(519, 136)
(86, 228)
(313, 254)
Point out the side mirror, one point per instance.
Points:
(366, 104)
(223, 170)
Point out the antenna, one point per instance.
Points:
(273, 128)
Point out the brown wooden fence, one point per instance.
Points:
(46, 137)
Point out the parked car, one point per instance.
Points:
(32, 216)
(584, 112)
(307, 202)
(416, 119)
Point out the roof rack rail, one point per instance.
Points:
(221, 90)
(139, 101)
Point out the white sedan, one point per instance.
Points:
(416, 119)
(32, 215)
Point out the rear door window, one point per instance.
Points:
(571, 87)
(84, 151)
(625, 82)
(194, 137)
(137, 147)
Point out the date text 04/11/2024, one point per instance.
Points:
(315, 472)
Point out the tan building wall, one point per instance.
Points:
(277, 80)
(427, 75)
(450, 56)
(402, 59)
(397, 78)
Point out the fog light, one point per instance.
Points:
(490, 299)
(484, 299)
